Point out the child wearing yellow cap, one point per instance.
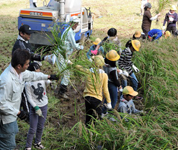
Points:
(126, 104)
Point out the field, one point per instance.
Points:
(158, 82)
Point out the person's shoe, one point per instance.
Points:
(27, 148)
(39, 146)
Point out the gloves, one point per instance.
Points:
(53, 77)
(171, 19)
(125, 73)
(22, 115)
(94, 52)
(164, 27)
(90, 60)
(108, 106)
(135, 68)
(120, 71)
(38, 111)
(81, 47)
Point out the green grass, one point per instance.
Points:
(158, 76)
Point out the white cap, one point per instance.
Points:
(74, 19)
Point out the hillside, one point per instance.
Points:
(158, 84)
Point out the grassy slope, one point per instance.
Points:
(158, 77)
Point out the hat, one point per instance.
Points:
(25, 29)
(136, 44)
(129, 90)
(148, 5)
(34, 66)
(137, 34)
(97, 41)
(74, 19)
(99, 61)
(112, 55)
(173, 7)
(167, 34)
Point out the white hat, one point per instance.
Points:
(74, 19)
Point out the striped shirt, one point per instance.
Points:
(125, 62)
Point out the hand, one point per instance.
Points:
(81, 47)
(164, 27)
(135, 68)
(125, 73)
(22, 115)
(38, 111)
(53, 77)
(119, 71)
(108, 106)
(90, 60)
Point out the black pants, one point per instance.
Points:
(171, 29)
(145, 30)
(93, 109)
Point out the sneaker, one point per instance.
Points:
(39, 146)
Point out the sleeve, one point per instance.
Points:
(6, 108)
(34, 76)
(114, 78)
(165, 19)
(72, 41)
(135, 111)
(105, 88)
(148, 14)
(29, 94)
(89, 52)
(154, 18)
(101, 50)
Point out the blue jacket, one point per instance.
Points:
(156, 32)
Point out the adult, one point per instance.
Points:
(12, 82)
(22, 42)
(171, 19)
(126, 64)
(143, 2)
(156, 34)
(69, 46)
(147, 18)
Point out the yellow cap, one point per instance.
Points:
(173, 7)
(97, 41)
(167, 34)
(136, 44)
(137, 34)
(112, 55)
(129, 90)
(99, 61)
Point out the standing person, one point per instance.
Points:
(171, 19)
(126, 104)
(143, 2)
(96, 85)
(91, 51)
(12, 82)
(22, 42)
(70, 45)
(113, 84)
(126, 64)
(156, 34)
(37, 97)
(147, 19)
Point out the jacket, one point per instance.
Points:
(11, 88)
(170, 23)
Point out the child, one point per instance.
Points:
(93, 47)
(96, 85)
(126, 104)
(126, 64)
(156, 34)
(36, 95)
(111, 70)
(138, 35)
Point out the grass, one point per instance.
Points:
(157, 129)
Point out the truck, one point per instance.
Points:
(43, 19)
